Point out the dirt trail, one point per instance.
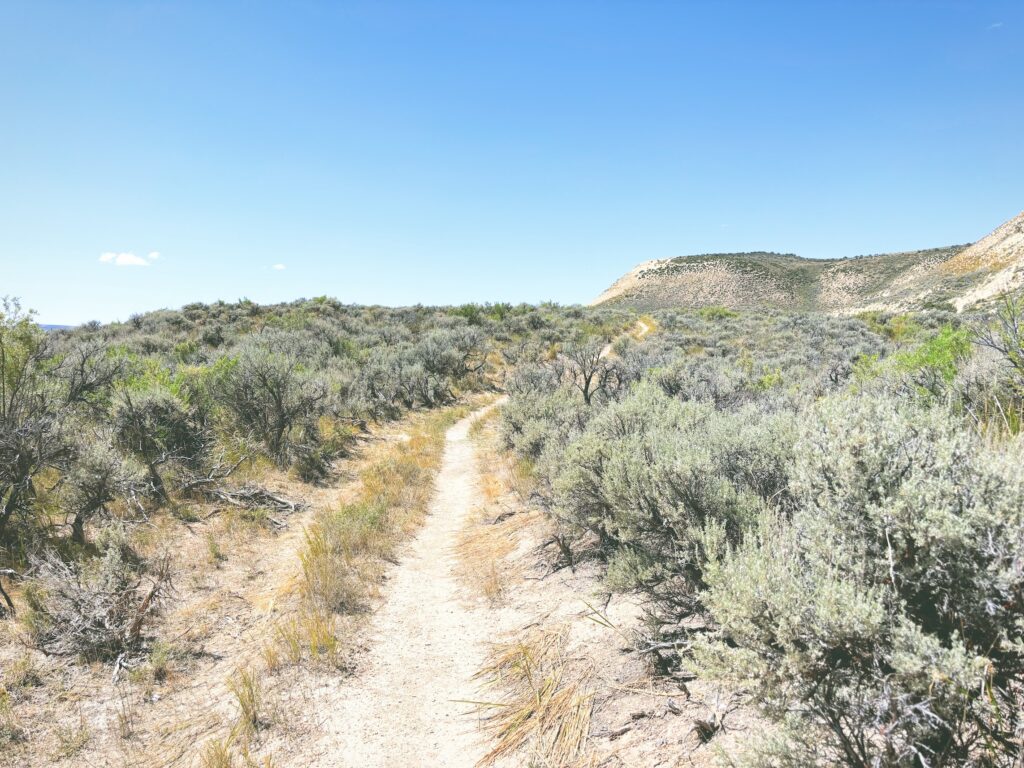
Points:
(640, 330)
(425, 644)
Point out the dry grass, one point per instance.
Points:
(545, 704)
(216, 754)
(245, 686)
(72, 738)
(483, 549)
(10, 725)
(345, 547)
(492, 534)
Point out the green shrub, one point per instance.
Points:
(937, 360)
(717, 313)
(651, 475)
(882, 622)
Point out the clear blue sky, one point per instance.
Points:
(443, 152)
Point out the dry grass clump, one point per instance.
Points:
(19, 676)
(217, 753)
(245, 686)
(545, 704)
(71, 738)
(312, 635)
(10, 724)
(481, 549)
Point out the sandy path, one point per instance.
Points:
(642, 329)
(425, 644)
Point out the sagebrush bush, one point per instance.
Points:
(95, 609)
(649, 474)
(271, 390)
(829, 510)
(98, 476)
(882, 620)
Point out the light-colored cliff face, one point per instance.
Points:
(999, 257)
(955, 277)
(628, 281)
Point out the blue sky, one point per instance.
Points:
(443, 152)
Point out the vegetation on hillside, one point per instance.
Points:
(825, 514)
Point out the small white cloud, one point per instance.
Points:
(996, 25)
(123, 259)
(279, 267)
(153, 255)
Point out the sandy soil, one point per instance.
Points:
(628, 281)
(405, 705)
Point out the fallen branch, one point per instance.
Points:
(252, 497)
(217, 473)
(655, 647)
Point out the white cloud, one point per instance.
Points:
(997, 25)
(279, 267)
(153, 255)
(123, 259)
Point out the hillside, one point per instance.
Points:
(957, 276)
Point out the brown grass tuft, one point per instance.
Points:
(483, 548)
(544, 706)
(245, 686)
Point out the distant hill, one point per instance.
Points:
(47, 327)
(957, 277)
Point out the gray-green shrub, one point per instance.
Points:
(883, 621)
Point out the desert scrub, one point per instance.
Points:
(935, 362)
(650, 474)
(880, 622)
(97, 608)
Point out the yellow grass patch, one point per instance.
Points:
(345, 547)
(544, 703)
(483, 547)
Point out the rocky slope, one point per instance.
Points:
(958, 277)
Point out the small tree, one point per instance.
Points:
(31, 410)
(592, 373)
